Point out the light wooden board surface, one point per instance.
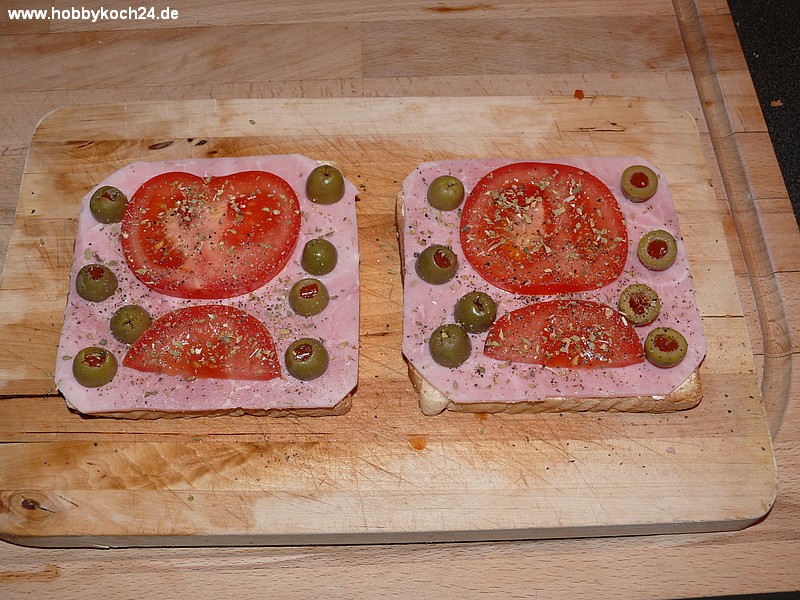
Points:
(383, 472)
(51, 64)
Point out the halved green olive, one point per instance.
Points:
(475, 312)
(319, 257)
(94, 367)
(306, 359)
(95, 283)
(639, 183)
(308, 297)
(446, 193)
(130, 322)
(108, 204)
(436, 264)
(450, 346)
(640, 304)
(325, 185)
(665, 347)
(657, 250)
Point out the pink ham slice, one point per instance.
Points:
(138, 393)
(484, 379)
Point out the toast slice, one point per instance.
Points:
(461, 389)
(151, 394)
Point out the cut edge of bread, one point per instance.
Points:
(433, 401)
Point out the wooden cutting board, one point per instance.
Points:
(383, 472)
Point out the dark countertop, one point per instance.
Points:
(769, 32)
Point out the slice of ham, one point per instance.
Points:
(140, 394)
(482, 379)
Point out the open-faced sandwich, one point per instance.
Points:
(214, 286)
(547, 286)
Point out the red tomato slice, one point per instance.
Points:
(208, 342)
(542, 228)
(565, 333)
(218, 237)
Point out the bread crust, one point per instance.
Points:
(433, 401)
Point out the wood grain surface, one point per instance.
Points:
(51, 64)
(383, 472)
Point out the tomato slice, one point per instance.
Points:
(565, 333)
(543, 228)
(206, 341)
(213, 237)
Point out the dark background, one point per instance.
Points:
(769, 32)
